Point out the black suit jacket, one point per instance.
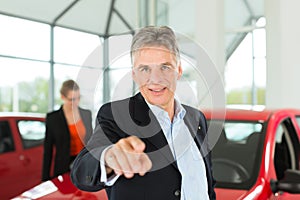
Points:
(133, 117)
(58, 140)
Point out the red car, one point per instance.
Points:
(257, 154)
(60, 188)
(21, 151)
(255, 157)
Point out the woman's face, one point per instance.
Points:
(71, 99)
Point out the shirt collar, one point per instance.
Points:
(158, 111)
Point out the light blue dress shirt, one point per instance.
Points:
(185, 151)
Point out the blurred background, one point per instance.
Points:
(253, 44)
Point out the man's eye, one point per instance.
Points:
(165, 67)
(144, 69)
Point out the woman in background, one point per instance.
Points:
(67, 131)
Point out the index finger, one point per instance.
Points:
(136, 144)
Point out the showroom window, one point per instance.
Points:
(245, 71)
(77, 56)
(24, 38)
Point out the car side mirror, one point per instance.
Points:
(290, 182)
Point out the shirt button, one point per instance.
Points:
(177, 193)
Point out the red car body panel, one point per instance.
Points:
(232, 194)
(61, 188)
(20, 169)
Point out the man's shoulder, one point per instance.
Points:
(194, 113)
(122, 102)
(192, 109)
(108, 105)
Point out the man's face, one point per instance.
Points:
(156, 72)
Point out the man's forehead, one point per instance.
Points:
(158, 49)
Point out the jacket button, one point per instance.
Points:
(177, 193)
(88, 179)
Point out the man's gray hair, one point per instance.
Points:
(154, 36)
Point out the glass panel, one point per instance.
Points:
(90, 81)
(119, 51)
(24, 38)
(185, 23)
(191, 82)
(237, 152)
(239, 83)
(259, 42)
(32, 132)
(74, 47)
(284, 152)
(236, 14)
(97, 95)
(24, 85)
(239, 67)
(245, 72)
(162, 12)
(298, 120)
(6, 139)
(121, 83)
(240, 131)
(260, 80)
(126, 12)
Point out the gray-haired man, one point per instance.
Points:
(149, 146)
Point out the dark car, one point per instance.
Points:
(21, 151)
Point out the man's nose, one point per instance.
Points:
(156, 75)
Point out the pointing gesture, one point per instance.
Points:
(127, 157)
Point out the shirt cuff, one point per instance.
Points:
(108, 181)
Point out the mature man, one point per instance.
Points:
(149, 146)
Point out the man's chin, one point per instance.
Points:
(158, 101)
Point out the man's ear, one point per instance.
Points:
(133, 75)
(179, 71)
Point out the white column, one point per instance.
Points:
(210, 33)
(283, 57)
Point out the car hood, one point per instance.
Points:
(60, 187)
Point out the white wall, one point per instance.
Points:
(283, 53)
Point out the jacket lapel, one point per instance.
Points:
(151, 133)
(197, 127)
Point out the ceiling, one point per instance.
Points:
(113, 17)
(100, 17)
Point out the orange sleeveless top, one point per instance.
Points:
(77, 134)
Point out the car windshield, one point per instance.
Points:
(237, 153)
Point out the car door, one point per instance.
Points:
(11, 168)
(286, 155)
(21, 150)
(32, 134)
